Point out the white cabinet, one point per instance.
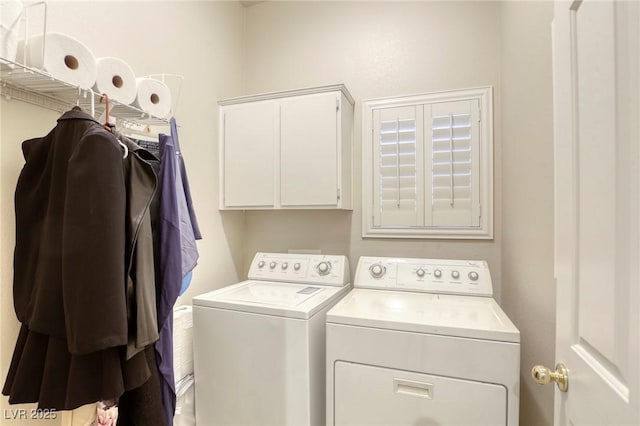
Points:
(249, 155)
(287, 150)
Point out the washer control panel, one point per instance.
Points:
(442, 276)
(300, 268)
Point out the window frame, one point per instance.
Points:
(484, 96)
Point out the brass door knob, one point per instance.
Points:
(544, 375)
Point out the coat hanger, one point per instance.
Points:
(109, 125)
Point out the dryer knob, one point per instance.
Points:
(296, 266)
(377, 270)
(455, 275)
(473, 276)
(261, 264)
(284, 266)
(324, 268)
(437, 273)
(272, 265)
(420, 272)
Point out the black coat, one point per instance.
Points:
(80, 266)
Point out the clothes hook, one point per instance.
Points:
(106, 111)
(107, 125)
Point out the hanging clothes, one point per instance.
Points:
(189, 228)
(83, 287)
(176, 228)
(143, 405)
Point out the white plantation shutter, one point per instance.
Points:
(398, 196)
(452, 164)
(428, 165)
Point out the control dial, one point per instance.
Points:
(324, 268)
(284, 266)
(437, 273)
(272, 265)
(261, 264)
(296, 266)
(473, 276)
(455, 275)
(420, 272)
(377, 270)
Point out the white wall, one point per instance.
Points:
(383, 49)
(377, 49)
(528, 290)
(204, 42)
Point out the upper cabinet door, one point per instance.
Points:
(309, 150)
(249, 154)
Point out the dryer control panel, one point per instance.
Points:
(441, 276)
(301, 268)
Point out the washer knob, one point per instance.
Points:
(377, 270)
(437, 273)
(296, 266)
(285, 265)
(261, 264)
(324, 268)
(473, 276)
(272, 265)
(420, 272)
(455, 275)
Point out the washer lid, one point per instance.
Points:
(272, 298)
(449, 315)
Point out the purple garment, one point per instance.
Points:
(168, 271)
(169, 254)
(189, 230)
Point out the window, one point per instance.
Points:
(428, 166)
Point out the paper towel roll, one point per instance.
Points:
(153, 97)
(116, 78)
(10, 11)
(65, 58)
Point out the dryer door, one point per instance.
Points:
(368, 395)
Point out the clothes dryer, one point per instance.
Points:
(421, 342)
(259, 345)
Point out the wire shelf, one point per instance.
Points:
(37, 87)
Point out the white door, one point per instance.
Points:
(309, 150)
(597, 218)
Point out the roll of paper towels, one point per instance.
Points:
(153, 97)
(116, 78)
(10, 12)
(65, 58)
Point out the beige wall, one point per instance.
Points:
(377, 49)
(528, 290)
(393, 48)
(204, 42)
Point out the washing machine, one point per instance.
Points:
(421, 342)
(259, 345)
